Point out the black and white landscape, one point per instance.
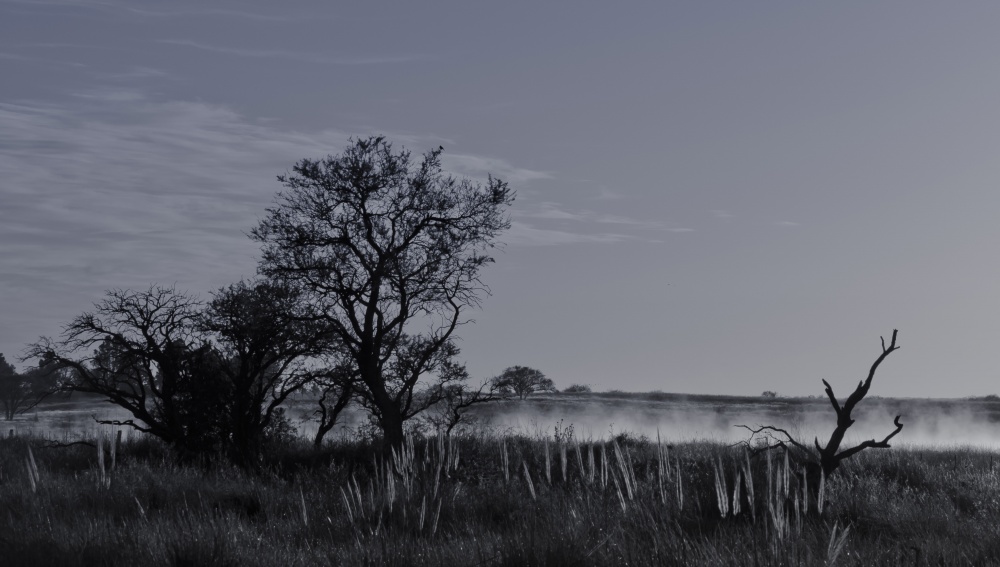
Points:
(510, 284)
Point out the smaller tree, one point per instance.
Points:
(827, 458)
(19, 392)
(769, 394)
(577, 389)
(456, 401)
(522, 381)
(261, 340)
(138, 350)
(335, 385)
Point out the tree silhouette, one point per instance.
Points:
(202, 378)
(19, 392)
(263, 344)
(383, 246)
(827, 458)
(523, 381)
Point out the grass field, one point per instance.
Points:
(496, 495)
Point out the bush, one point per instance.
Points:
(769, 394)
(577, 389)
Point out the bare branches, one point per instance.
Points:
(833, 398)
(766, 433)
(872, 444)
(830, 456)
(456, 400)
(380, 242)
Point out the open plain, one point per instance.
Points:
(560, 479)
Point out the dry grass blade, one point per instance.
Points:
(531, 485)
(548, 463)
(504, 460)
(579, 461)
(142, 511)
(305, 514)
(33, 477)
(836, 545)
(736, 491)
(437, 515)
(721, 495)
(347, 505)
(618, 489)
(680, 488)
(820, 497)
(562, 460)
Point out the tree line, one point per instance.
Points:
(370, 262)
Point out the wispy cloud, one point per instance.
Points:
(553, 211)
(115, 189)
(786, 223)
(171, 12)
(523, 234)
(137, 73)
(587, 226)
(294, 55)
(721, 214)
(477, 166)
(605, 194)
(255, 16)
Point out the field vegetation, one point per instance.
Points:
(370, 263)
(491, 497)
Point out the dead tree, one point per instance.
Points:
(827, 458)
(830, 456)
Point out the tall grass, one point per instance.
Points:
(492, 499)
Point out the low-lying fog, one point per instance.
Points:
(675, 417)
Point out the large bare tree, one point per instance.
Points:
(390, 252)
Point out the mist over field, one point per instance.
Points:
(674, 417)
(941, 423)
(677, 418)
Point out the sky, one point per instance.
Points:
(712, 197)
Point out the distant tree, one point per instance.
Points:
(523, 381)
(19, 392)
(381, 245)
(577, 389)
(986, 398)
(769, 394)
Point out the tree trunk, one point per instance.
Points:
(392, 426)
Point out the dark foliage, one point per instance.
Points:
(522, 381)
(205, 380)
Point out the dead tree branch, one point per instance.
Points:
(828, 457)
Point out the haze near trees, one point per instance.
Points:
(370, 262)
